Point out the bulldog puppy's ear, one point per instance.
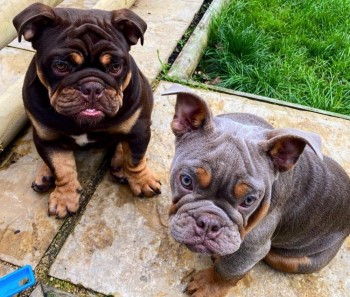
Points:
(284, 146)
(130, 24)
(191, 111)
(32, 20)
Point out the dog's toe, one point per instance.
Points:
(62, 203)
(43, 183)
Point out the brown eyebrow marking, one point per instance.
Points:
(203, 177)
(240, 190)
(105, 59)
(77, 58)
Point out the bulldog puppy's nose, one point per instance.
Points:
(92, 90)
(208, 225)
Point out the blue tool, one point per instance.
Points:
(17, 281)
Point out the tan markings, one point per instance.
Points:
(65, 169)
(276, 149)
(126, 81)
(207, 282)
(66, 195)
(286, 264)
(127, 125)
(203, 177)
(77, 58)
(43, 132)
(42, 78)
(141, 180)
(117, 162)
(255, 218)
(43, 172)
(105, 59)
(199, 118)
(117, 159)
(240, 190)
(172, 210)
(128, 160)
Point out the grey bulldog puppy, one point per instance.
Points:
(244, 191)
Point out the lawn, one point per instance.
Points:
(298, 51)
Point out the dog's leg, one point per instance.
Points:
(65, 198)
(44, 179)
(306, 264)
(117, 165)
(228, 270)
(141, 180)
(208, 283)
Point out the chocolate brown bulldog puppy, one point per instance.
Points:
(243, 192)
(83, 89)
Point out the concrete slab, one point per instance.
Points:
(122, 247)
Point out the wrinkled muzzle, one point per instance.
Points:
(205, 228)
(87, 102)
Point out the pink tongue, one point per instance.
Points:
(91, 112)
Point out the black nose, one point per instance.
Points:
(92, 89)
(209, 225)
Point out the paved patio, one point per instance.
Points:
(118, 244)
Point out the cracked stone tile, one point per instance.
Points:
(122, 247)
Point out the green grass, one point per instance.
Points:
(298, 51)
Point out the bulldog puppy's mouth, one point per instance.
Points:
(90, 117)
(91, 112)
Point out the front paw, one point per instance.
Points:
(44, 179)
(206, 283)
(119, 175)
(144, 183)
(64, 200)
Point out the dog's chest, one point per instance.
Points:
(82, 139)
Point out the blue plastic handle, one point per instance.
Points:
(17, 281)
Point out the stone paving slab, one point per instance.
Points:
(5, 270)
(167, 21)
(45, 291)
(122, 247)
(25, 228)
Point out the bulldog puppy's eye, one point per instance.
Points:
(186, 181)
(248, 201)
(61, 66)
(115, 68)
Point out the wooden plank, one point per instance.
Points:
(189, 57)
